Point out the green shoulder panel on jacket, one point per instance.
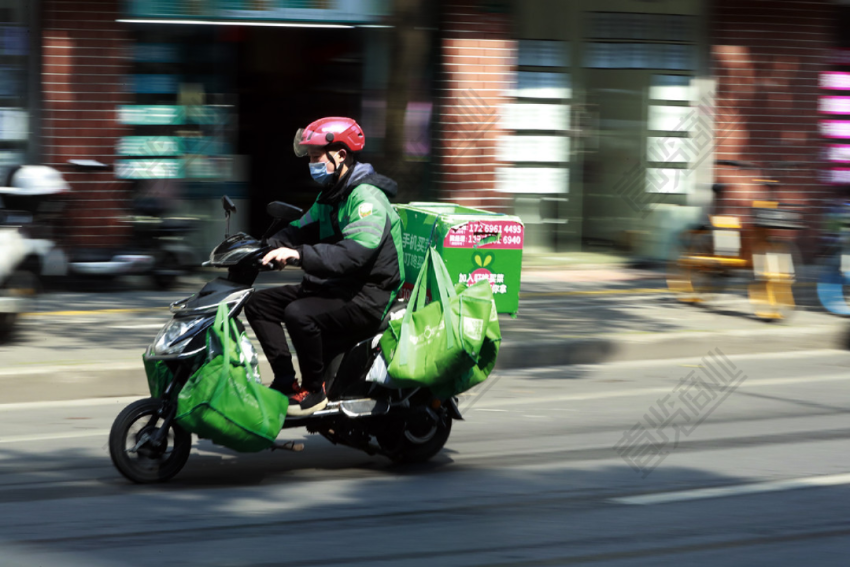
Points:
(318, 213)
(364, 217)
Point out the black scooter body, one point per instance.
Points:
(405, 424)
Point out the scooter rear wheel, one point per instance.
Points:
(415, 440)
(138, 459)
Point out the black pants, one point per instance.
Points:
(320, 328)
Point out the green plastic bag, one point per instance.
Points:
(486, 360)
(432, 345)
(159, 376)
(222, 401)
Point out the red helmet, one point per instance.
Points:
(332, 130)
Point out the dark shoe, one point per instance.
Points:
(306, 403)
(285, 385)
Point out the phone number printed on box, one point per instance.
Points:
(503, 235)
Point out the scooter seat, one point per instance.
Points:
(396, 307)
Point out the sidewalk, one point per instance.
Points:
(571, 312)
(595, 309)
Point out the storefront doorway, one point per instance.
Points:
(628, 74)
(286, 79)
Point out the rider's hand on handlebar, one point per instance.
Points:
(281, 257)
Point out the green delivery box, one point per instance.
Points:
(475, 245)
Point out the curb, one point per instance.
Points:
(660, 346)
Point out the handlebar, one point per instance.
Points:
(274, 264)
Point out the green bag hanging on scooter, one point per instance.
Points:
(224, 401)
(437, 344)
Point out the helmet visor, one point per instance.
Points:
(300, 149)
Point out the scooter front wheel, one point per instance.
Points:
(136, 455)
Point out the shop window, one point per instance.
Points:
(552, 117)
(669, 180)
(539, 118)
(534, 149)
(534, 84)
(183, 116)
(672, 88)
(640, 41)
(15, 72)
(648, 27)
(622, 55)
(537, 53)
(535, 180)
(670, 118)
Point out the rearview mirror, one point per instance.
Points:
(229, 206)
(283, 212)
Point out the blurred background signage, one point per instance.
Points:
(343, 11)
(834, 105)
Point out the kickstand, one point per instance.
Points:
(288, 446)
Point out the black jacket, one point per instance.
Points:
(350, 241)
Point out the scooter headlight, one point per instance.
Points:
(177, 334)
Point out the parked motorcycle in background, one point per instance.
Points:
(28, 251)
(32, 199)
(157, 244)
(156, 247)
(17, 285)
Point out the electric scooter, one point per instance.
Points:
(407, 425)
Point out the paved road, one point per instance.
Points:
(530, 479)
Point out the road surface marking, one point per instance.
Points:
(55, 436)
(80, 366)
(802, 354)
(750, 383)
(90, 402)
(94, 312)
(528, 295)
(738, 490)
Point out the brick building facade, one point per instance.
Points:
(766, 58)
(478, 57)
(85, 66)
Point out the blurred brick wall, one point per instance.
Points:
(767, 57)
(86, 61)
(477, 60)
